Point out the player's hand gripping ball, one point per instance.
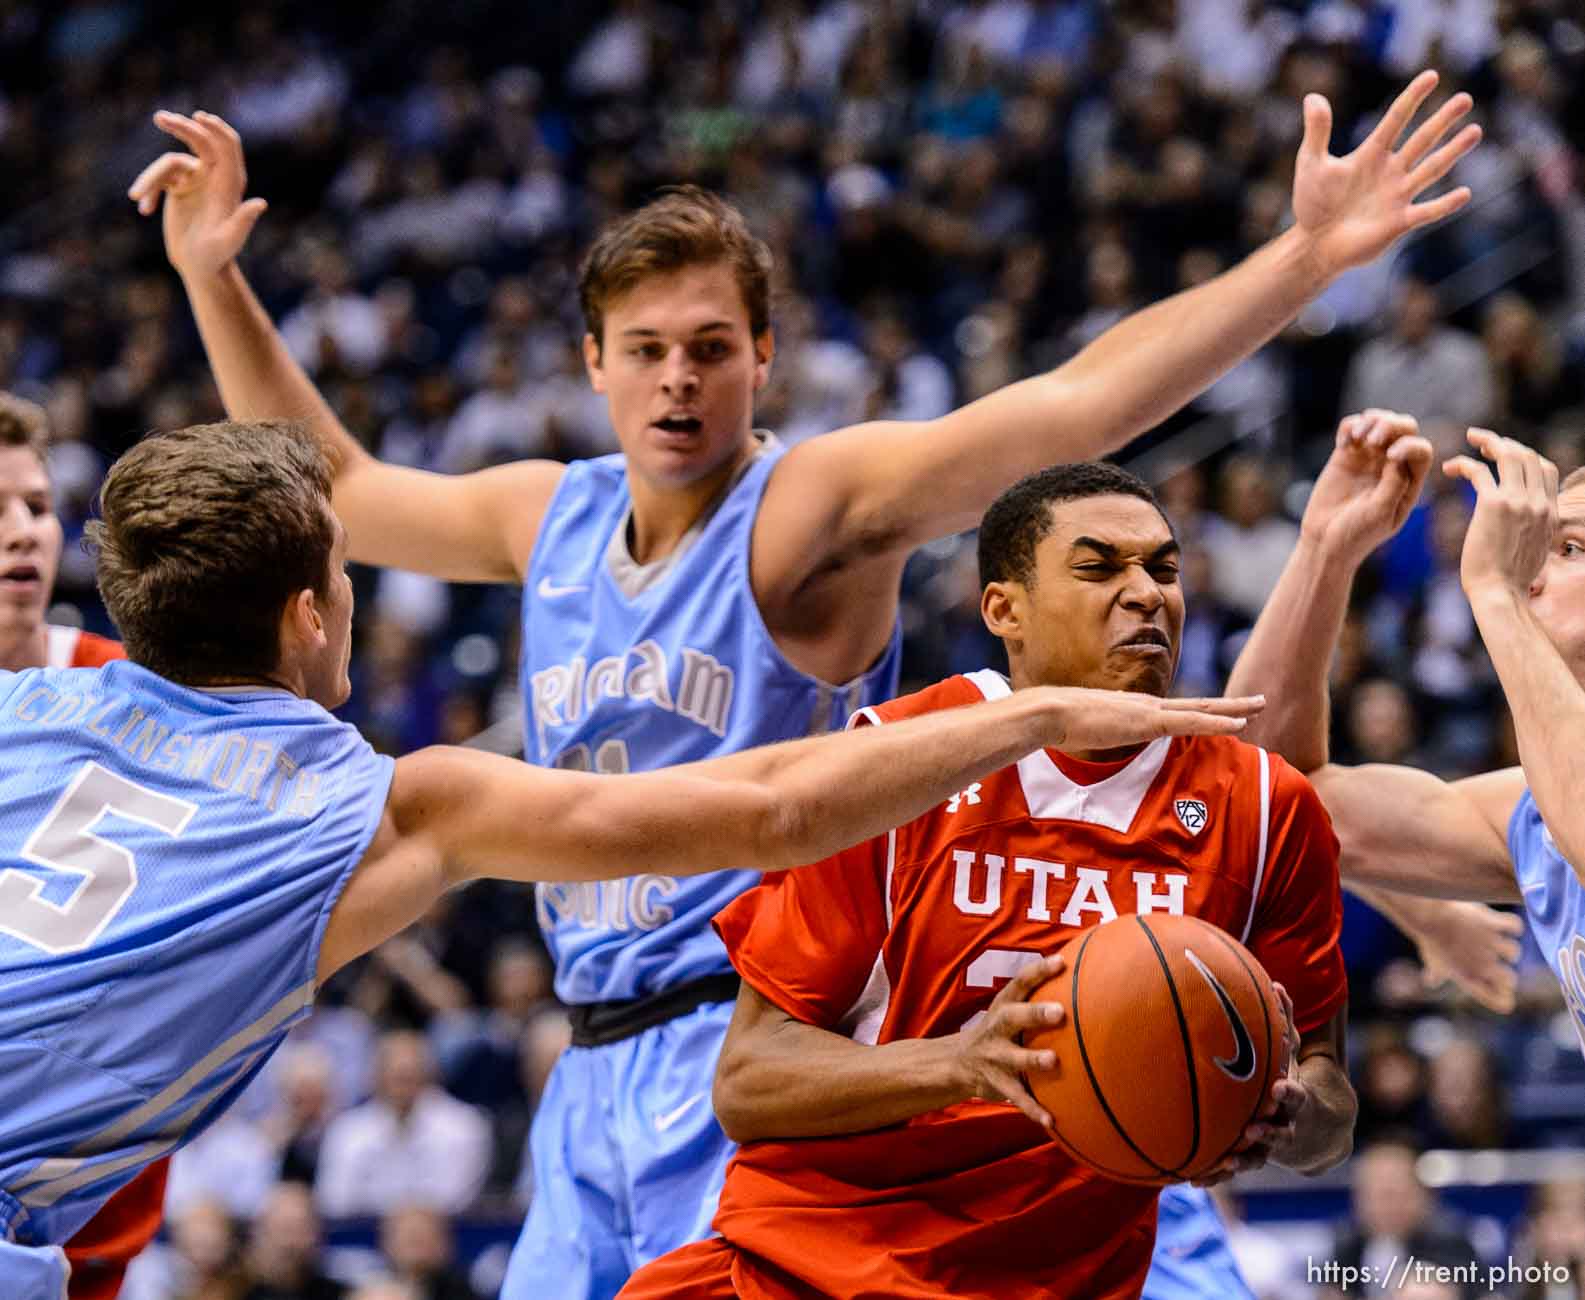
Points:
(1173, 1037)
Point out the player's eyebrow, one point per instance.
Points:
(1109, 552)
(640, 331)
(1571, 521)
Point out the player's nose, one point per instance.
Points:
(1141, 591)
(679, 375)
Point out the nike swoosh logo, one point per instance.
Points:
(1242, 1065)
(549, 590)
(664, 1122)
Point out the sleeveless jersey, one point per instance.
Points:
(910, 936)
(168, 861)
(629, 673)
(1554, 902)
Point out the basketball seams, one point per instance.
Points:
(1084, 1056)
(1188, 1046)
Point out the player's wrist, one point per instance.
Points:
(1332, 548)
(1307, 258)
(1494, 595)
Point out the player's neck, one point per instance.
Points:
(662, 515)
(24, 643)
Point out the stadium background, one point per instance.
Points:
(958, 194)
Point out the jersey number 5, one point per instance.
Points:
(65, 841)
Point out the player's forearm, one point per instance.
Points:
(832, 792)
(1323, 1135)
(1548, 708)
(1289, 654)
(1411, 913)
(800, 1081)
(1147, 366)
(257, 376)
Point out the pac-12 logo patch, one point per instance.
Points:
(1192, 813)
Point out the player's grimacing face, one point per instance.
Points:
(1106, 608)
(30, 533)
(679, 368)
(1558, 594)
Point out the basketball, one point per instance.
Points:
(1172, 1040)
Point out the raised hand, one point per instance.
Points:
(1353, 207)
(1368, 485)
(988, 1058)
(207, 220)
(1091, 719)
(1515, 520)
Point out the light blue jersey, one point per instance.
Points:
(627, 669)
(168, 861)
(1554, 901)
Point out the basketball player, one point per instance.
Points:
(703, 591)
(1513, 835)
(190, 844)
(30, 552)
(873, 1070)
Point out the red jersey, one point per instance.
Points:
(127, 1222)
(909, 936)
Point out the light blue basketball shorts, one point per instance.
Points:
(628, 1159)
(1192, 1260)
(32, 1272)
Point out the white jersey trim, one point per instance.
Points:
(1260, 852)
(62, 646)
(863, 1020)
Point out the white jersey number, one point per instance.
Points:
(993, 966)
(65, 841)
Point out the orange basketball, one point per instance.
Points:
(1172, 1040)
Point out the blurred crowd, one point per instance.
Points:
(959, 193)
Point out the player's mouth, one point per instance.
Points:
(678, 430)
(22, 579)
(1146, 641)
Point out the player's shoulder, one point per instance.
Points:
(949, 693)
(1242, 760)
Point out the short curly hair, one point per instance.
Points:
(1019, 520)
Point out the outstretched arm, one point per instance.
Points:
(1407, 830)
(898, 484)
(1364, 493)
(470, 528)
(457, 814)
(1518, 545)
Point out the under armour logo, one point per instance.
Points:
(1192, 813)
(971, 795)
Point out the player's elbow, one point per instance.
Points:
(734, 1097)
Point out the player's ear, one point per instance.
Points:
(1002, 608)
(764, 351)
(593, 362)
(301, 622)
